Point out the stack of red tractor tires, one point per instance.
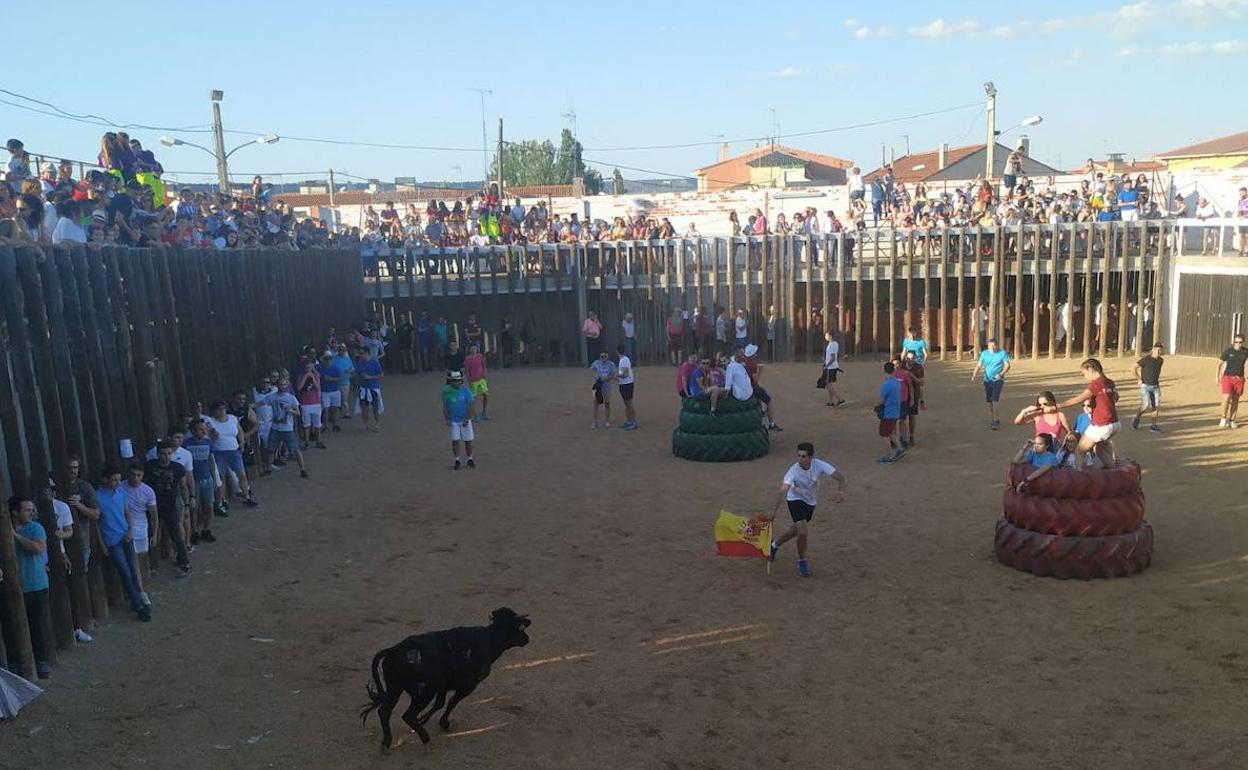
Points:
(1075, 524)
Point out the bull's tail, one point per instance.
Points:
(377, 694)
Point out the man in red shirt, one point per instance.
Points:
(910, 408)
(308, 388)
(684, 372)
(1103, 394)
(907, 392)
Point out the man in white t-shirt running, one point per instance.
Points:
(801, 490)
(624, 371)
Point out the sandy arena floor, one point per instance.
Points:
(910, 647)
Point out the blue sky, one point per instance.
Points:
(1107, 77)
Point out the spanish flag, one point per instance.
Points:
(739, 536)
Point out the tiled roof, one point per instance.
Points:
(1233, 144)
(918, 166)
(758, 152)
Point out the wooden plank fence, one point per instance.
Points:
(882, 281)
(105, 345)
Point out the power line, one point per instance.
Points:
(815, 132)
(382, 145)
(91, 119)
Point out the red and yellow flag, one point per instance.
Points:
(739, 536)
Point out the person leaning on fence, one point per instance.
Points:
(31, 543)
(675, 329)
(167, 480)
(60, 558)
(592, 329)
(117, 535)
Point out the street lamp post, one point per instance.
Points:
(991, 146)
(485, 152)
(220, 155)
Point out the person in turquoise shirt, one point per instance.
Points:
(30, 541)
(995, 364)
(916, 344)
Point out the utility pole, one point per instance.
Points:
(223, 174)
(331, 188)
(991, 145)
(500, 162)
(485, 153)
(907, 138)
(775, 127)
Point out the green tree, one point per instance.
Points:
(528, 162)
(617, 182)
(568, 164)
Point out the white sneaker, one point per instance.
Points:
(1233, 425)
(1222, 423)
(146, 601)
(82, 636)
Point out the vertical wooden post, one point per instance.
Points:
(1071, 287)
(1088, 308)
(1161, 284)
(1035, 293)
(942, 274)
(892, 294)
(21, 657)
(959, 309)
(840, 289)
(1124, 278)
(907, 317)
(875, 293)
(859, 271)
(1055, 274)
(1140, 288)
(790, 300)
(1018, 293)
(974, 319)
(831, 317)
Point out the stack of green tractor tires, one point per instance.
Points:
(734, 433)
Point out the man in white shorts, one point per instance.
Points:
(800, 490)
(458, 407)
(141, 505)
(331, 390)
(308, 386)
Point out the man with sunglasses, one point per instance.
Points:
(1231, 379)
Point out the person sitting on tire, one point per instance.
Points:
(1066, 453)
(749, 360)
(700, 386)
(684, 373)
(737, 379)
(1038, 452)
(1103, 394)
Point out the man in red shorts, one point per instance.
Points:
(1231, 379)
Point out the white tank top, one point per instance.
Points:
(227, 433)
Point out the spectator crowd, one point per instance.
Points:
(124, 201)
(166, 499)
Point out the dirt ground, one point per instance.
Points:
(910, 647)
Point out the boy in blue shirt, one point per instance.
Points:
(458, 409)
(889, 411)
(202, 486)
(995, 363)
(31, 544)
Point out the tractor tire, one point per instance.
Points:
(1084, 558)
(725, 448)
(1089, 484)
(719, 424)
(1075, 518)
(726, 405)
